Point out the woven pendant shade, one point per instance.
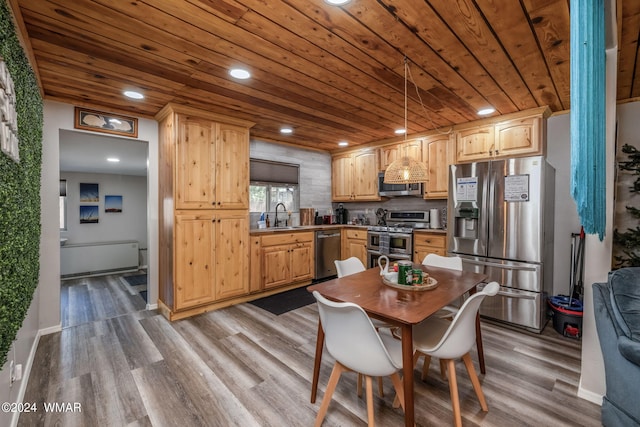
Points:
(405, 171)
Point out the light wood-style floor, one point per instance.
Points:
(243, 366)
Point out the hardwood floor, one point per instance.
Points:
(244, 366)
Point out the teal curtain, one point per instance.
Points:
(588, 113)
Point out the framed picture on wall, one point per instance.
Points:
(112, 204)
(89, 193)
(98, 121)
(89, 214)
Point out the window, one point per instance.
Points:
(273, 183)
(63, 204)
(264, 196)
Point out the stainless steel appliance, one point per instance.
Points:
(393, 190)
(396, 239)
(327, 251)
(501, 224)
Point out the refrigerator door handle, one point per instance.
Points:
(508, 294)
(498, 265)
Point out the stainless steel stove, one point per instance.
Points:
(395, 239)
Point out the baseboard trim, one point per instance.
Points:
(26, 373)
(152, 306)
(589, 395)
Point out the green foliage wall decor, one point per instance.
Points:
(19, 192)
(628, 241)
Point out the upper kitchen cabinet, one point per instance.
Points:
(438, 152)
(515, 135)
(391, 153)
(354, 176)
(212, 164)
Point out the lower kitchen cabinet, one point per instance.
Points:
(425, 242)
(211, 257)
(353, 242)
(285, 258)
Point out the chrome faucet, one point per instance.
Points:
(283, 207)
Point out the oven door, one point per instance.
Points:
(400, 243)
(372, 258)
(373, 240)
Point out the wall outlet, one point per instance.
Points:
(18, 372)
(11, 373)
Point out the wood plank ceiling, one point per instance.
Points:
(331, 73)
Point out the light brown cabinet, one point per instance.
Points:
(354, 176)
(203, 212)
(353, 242)
(521, 134)
(390, 153)
(212, 164)
(438, 154)
(211, 256)
(425, 242)
(286, 258)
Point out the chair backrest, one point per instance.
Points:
(352, 340)
(450, 262)
(461, 334)
(349, 266)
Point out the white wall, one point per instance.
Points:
(44, 313)
(130, 224)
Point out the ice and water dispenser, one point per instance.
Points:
(465, 222)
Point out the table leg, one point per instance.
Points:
(407, 374)
(316, 363)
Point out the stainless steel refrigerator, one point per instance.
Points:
(501, 224)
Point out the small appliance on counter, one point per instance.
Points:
(342, 214)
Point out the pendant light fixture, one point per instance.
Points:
(406, 170)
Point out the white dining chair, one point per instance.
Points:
(450, 340)
(450, 262)
(355, 344)
(345, 268)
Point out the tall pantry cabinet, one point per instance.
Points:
(204, 210)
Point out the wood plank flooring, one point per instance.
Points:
(242, 366)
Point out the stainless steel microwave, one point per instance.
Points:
(393, 190)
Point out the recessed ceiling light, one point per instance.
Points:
(400, 131)
(486, 111)
(239, 73)
(343, 143)
(286, 130)
(113, 159)
(133, 94)
(337, 2)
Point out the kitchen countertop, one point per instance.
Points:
(258, 231)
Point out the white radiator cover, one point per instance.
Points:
(90, 259)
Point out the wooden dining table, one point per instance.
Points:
(404, 308)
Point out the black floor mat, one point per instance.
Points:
(285, 301)
(139, 279)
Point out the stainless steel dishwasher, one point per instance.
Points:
(327, 251)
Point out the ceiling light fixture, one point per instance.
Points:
(239, 73)
(286, 130)
(113, 159)
(343, 143)
(133, 94)
(406, 170)
(337, 2)
(400, 131)
(486, 111)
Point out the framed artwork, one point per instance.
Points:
(89, 193)
(89, 214)
(98, 121)
(113, 204)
